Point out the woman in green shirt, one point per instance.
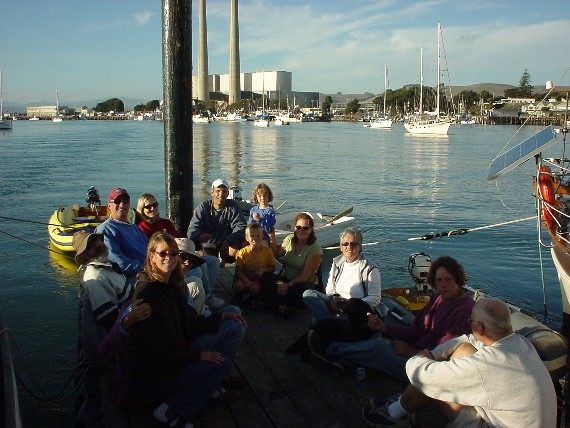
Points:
(302, 257)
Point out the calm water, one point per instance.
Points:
(400, 186)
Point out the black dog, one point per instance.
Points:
(353, 329)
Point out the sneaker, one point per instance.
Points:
(316, 342)
(317, 355)
(379, 416)
(376, 403)
(215, 302)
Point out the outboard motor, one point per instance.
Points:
(418, 267)
(235, 193)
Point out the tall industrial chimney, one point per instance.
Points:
(203, 84)
(235, 87)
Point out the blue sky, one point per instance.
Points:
(112, 48)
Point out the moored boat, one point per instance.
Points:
(429, 123)
(5, 123)
(65, 221)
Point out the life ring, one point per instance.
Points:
(546, 195)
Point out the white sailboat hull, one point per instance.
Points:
(261, 123)
(427, 127)
(381, 124)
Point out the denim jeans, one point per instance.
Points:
(199, 380)
(376, 353)
(207, 272)
(319, 304)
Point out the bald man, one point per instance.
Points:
(490, 378)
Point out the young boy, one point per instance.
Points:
(251, 263)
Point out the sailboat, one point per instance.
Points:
(428, 123)
(57, 118)
(383, 121)
(4, 123)
(263, 120)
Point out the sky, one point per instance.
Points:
(95, 50)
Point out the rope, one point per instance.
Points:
(449, 233)
(30, 221)
(36, 245)
(57, 398)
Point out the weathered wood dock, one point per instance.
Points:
(283, 391)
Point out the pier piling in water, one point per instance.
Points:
(177, 83)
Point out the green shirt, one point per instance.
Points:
(295, 263)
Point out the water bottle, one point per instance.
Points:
(360, 377)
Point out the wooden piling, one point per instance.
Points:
(177, 87)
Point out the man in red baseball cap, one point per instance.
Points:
(126, 242)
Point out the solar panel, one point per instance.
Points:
(521, 153)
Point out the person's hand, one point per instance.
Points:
(426, 353)
(234, 316)
(282, 288)
(214, 357)
(256, 216)
(140, 311)
(375, 323)
(403, 349)
(205, 237)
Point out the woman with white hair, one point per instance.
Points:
(352, 275)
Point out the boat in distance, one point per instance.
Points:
(327, 227)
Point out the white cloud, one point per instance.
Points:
(142, 18)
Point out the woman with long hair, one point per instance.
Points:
(176, 357)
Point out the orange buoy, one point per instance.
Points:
(546, 195)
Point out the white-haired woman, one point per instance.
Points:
(352, 275)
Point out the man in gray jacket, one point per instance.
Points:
(218, 223)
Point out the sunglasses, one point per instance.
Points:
(165, 253)
(302, 227)
(149, 206)
(122, 200)
(352, 244)
(185, 256)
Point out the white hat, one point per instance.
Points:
(186, 245)
(220, 182)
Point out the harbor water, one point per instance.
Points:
(401, 186)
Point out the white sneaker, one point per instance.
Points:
(215, 302)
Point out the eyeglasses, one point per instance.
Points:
(302, 227)
(165, 253)
(149, 206)
(352, 244)
(184, 256)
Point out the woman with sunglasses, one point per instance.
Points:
(150, 222)
(302, 257)
(149, 219)
(352, 275)
(176, 357)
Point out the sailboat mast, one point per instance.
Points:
(438, 67)
(421, 80)
(385, 84)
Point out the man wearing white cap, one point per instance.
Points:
(218, 223)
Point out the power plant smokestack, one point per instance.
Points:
(235, 87)
(203, 84)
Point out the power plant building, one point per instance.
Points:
(277, 84)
